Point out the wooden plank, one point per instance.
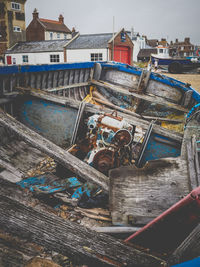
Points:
(131, 118)
(116, 229)
(191, 166)
(166, 92)
(65, 158)
(85, 246)
(19, 174)
(153, 99)
(77, 123)
(139, 195)
(67, 87)
(196, 159)
(13, 93)
(5, 100)
(188, 249)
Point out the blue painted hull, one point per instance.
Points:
(56, 122)
(123, 68)
(167, 61)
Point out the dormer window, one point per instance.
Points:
(15, 6)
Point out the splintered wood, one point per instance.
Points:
(139, 195)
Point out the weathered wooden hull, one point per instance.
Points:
(73, 81)
(55, 92)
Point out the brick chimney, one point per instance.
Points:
(73, 30)
(35, 14)
(61, 19)
(176, 41)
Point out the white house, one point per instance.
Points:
(42, 52)
(139, 43)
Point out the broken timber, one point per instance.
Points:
(67, 238)
(153, 99)
(58, 154)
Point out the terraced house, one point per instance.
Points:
(12, 24)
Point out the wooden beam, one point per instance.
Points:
(116, 229)
(153, 99)
(6, 100)
(128, 115)
(191, 165)
(67, 87)
(81, 244)
(58, 154)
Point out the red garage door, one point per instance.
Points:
(122, 54)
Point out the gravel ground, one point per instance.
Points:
(193, 79)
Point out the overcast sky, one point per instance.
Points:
(169, 19)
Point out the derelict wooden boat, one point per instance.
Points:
(56, 111)
(46, 99)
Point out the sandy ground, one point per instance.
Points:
(193, 79)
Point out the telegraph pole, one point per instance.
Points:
(113, 38)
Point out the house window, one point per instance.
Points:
(65, 36)
(16, 29)
(51, 35)
(96, 56)
(25, 59)
(161, 50)
(54, 58)
(15, 6)
(14, 60)
(58, 35)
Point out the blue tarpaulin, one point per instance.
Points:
(49, 184)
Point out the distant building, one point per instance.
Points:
(182, 49)
(45, 29)
(41, 52)
(139, 43)
(152, 42)
(145, 54)
(87, 47)
(101, 47)
(12, 24)
(156, 47)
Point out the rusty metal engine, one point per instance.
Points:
(110, 139)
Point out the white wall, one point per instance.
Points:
(36, 58)
(80, 55)
(62, 36)
(138, 44)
